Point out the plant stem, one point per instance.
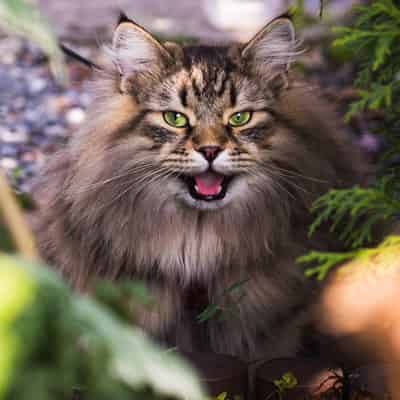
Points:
(15, 221)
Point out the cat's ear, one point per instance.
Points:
(273, 48)
(135, 49)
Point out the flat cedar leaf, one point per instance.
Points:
(382, 51)
(209, 312)
(287, 382)
(290, 380)
(236, 286)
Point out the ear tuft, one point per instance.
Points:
(273, 47)
(134, 49)
(123, 18)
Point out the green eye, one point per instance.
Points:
(240, 118)
(175, 119)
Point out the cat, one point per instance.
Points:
(195, 172)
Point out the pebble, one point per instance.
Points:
(8, 163)
(8, 136)
(37, 85)
(7, 150)
(75, 116)
(55, 130)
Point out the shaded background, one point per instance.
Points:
(204, 19)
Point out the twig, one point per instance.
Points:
(15, 221)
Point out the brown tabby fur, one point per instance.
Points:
(112, 203)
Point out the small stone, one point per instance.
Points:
(28, 157)
(15, 136)
(59, 103)
(8, 150)
(8, 163)
(18, 103)
(29, 170)
(54, 131)
(75, 116)
(37, 85)
(85, 99)
(31, 116)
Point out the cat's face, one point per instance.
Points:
(209, 123)
(203, 112)
(202, 124)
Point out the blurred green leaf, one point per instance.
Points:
(6, 242)
(52, 341)
(22, 18)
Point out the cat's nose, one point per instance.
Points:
(210, 152)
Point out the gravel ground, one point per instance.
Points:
(36, 115)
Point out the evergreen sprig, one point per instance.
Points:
(324, 261)
(355, 213)
(375, 40)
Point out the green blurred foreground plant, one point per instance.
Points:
(52, 341)
(356, 214)
(22, 18)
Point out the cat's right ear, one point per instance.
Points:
(273, 48)
(134, 49)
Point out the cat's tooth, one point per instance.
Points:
(196, 188)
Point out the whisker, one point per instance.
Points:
(294, 174)
(290, 182)
(257, 174)
(129, 172)
(144, 180)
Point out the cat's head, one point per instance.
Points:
(201, 126)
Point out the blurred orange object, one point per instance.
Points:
(361, 301)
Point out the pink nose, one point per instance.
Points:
(210, 152)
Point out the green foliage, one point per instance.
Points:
(224, 396)
(123, 298)
(219, 310)
(286, 382)
(282, 385)
(21, 17)
(52, 341)
(375, 39)
(300, 17)
(325, 261)
(356, 213)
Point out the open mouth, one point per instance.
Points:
(208, 186)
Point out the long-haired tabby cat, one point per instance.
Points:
(195, 170)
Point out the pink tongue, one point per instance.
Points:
(208, 183)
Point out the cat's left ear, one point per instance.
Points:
(273, 48)
(135, 49)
